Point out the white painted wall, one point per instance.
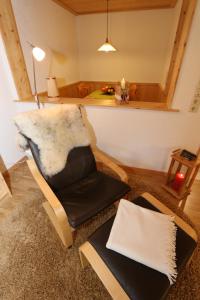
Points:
(47, 25)
(145, 138)
(144, 40)
(8, 150)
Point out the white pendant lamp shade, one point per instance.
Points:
(107, 47)
(38, 53)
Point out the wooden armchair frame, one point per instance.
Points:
(88, 254)
(54, 208)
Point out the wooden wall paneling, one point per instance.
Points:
(70, 90)
(97, 85)
(148, 95)
(9, 32)
(84, 89)
(150, 92)
(67, 91)
(185, 20)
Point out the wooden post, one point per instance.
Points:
(198, 154)
(170, 171)
(9, 32)
(185, 20)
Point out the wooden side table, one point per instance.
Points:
(181, 175)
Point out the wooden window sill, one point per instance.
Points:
(106, 103)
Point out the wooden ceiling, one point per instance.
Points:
(81, 7)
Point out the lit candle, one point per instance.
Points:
(178, 181)
(123, 83)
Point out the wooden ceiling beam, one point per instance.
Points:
(81, 7)
(9, 33)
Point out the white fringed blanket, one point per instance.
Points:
(145, 236)
(56, 131)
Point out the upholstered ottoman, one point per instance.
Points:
(125, 278)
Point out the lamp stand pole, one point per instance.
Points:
(35, 84)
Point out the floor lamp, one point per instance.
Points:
(39, 55)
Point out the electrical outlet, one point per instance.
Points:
(194, 107)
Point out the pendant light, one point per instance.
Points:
(107, 47)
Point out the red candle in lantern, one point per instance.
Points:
(178, 181)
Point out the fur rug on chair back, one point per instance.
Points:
(55, 131)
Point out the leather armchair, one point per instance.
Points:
(79, 191)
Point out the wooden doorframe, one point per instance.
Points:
(8, 29)
(180, 42)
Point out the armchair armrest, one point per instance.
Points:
(109, 163)
(46, 190)
(62, 224)
(164, 209)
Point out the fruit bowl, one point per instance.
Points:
(108, 90)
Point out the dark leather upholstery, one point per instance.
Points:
(87, 197)
(80, 163)
(139, 281)
(82, 190)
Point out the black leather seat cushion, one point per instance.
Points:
(87, 197)
(139, 281)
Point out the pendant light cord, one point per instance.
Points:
(107, 46)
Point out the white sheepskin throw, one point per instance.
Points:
(55, 131)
